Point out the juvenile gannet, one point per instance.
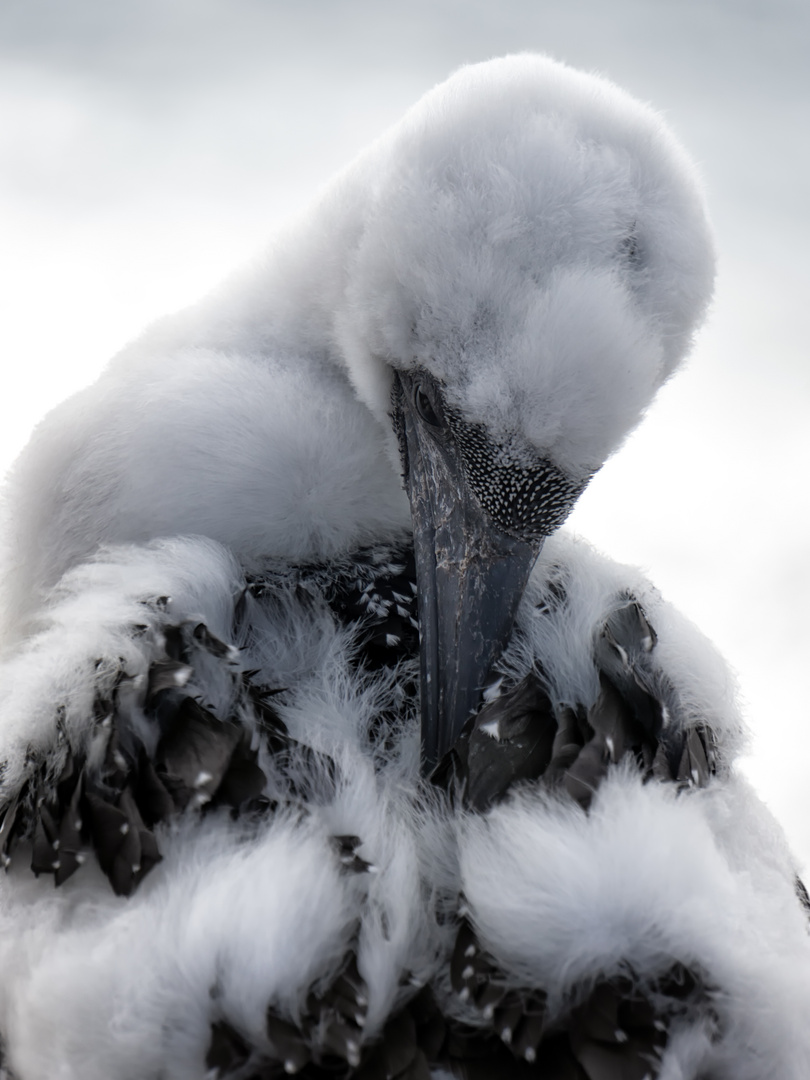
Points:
(213, 688)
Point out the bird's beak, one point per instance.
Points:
(470, 579)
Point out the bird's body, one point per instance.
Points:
(213, 679)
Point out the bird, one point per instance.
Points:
(324, 748)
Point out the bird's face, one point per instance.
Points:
(480, 513)
(529, 259)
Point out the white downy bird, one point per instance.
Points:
(229, 853)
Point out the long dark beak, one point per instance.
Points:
(470, 579)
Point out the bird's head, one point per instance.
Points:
(530, 260)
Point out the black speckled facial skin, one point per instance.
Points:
(527, 501)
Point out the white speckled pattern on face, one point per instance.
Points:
(524, 494)
(526, 500)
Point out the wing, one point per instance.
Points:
(629, 906)
(221, 777)
(194, 759)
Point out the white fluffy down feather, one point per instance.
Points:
(531, 235)
(98, 986)
(534, 239)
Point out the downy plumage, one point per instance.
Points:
(212, 679)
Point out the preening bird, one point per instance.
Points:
(323, 750)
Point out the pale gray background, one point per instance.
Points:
(149, 146)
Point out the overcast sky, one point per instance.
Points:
(149, 147)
